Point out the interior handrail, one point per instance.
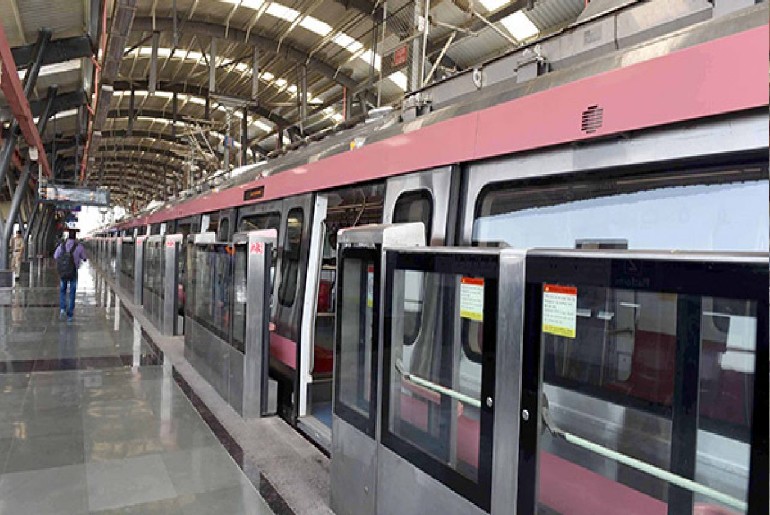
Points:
(466, 399)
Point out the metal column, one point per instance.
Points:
(244, 136)
(8, 228)
(30, 222)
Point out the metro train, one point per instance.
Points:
(678, 161)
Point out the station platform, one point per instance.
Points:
(103, 415)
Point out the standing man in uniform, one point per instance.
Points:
(18, 253)
(69, 255)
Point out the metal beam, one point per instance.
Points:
(264, 43)
(17, 98)
(62, 103)
(69, 161)
(477, 25)
(191, 89)
(48, 109)
(139, 148)
(57, 51)
(124, 135)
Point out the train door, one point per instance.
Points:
(678, 432)
(270, 215)
(402, 426)
(289, 294)
(424, 197)
(185, 227)
(335, 210)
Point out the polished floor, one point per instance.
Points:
(93, 419)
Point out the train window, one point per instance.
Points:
(433, 413)
(261, 221)
(290, 257)
(414, 206)
(646, 393)
(224, 229)
(715, 209)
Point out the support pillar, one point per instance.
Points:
(255, 74)
(152, 81)
(6, 275)
(131, 106)
(213, 66)
(302, 98)
(173, 115)
(244, 136)
(33, 212)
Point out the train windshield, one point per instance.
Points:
(724, 209)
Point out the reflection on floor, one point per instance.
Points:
(93, 420)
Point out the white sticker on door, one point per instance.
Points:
(559, 310)
(472, 298)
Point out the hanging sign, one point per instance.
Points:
(400, 55)
(560, 310)
(472, 298)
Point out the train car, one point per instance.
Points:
(650, 147)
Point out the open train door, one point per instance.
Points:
(356, 361)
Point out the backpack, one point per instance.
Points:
(65, 263)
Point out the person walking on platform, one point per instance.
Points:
(69, 255)
(18, 252)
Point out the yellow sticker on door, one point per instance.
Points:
(559, 310)
(472, 298)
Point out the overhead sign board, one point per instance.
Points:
(73, 196)
(400, 56)
(254, 193)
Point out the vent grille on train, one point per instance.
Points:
(592, 119)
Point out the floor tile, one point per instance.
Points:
(34, 453)
(202, 470)
(165, 507)
(233, 501)
(59, 490)
(54, 421)
(122, 483)
(106, 450)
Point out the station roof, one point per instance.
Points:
(101, 54)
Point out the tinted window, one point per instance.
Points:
(290, 259)
(262, 221)
(724, 209)
(224, 229)
(415, 206)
